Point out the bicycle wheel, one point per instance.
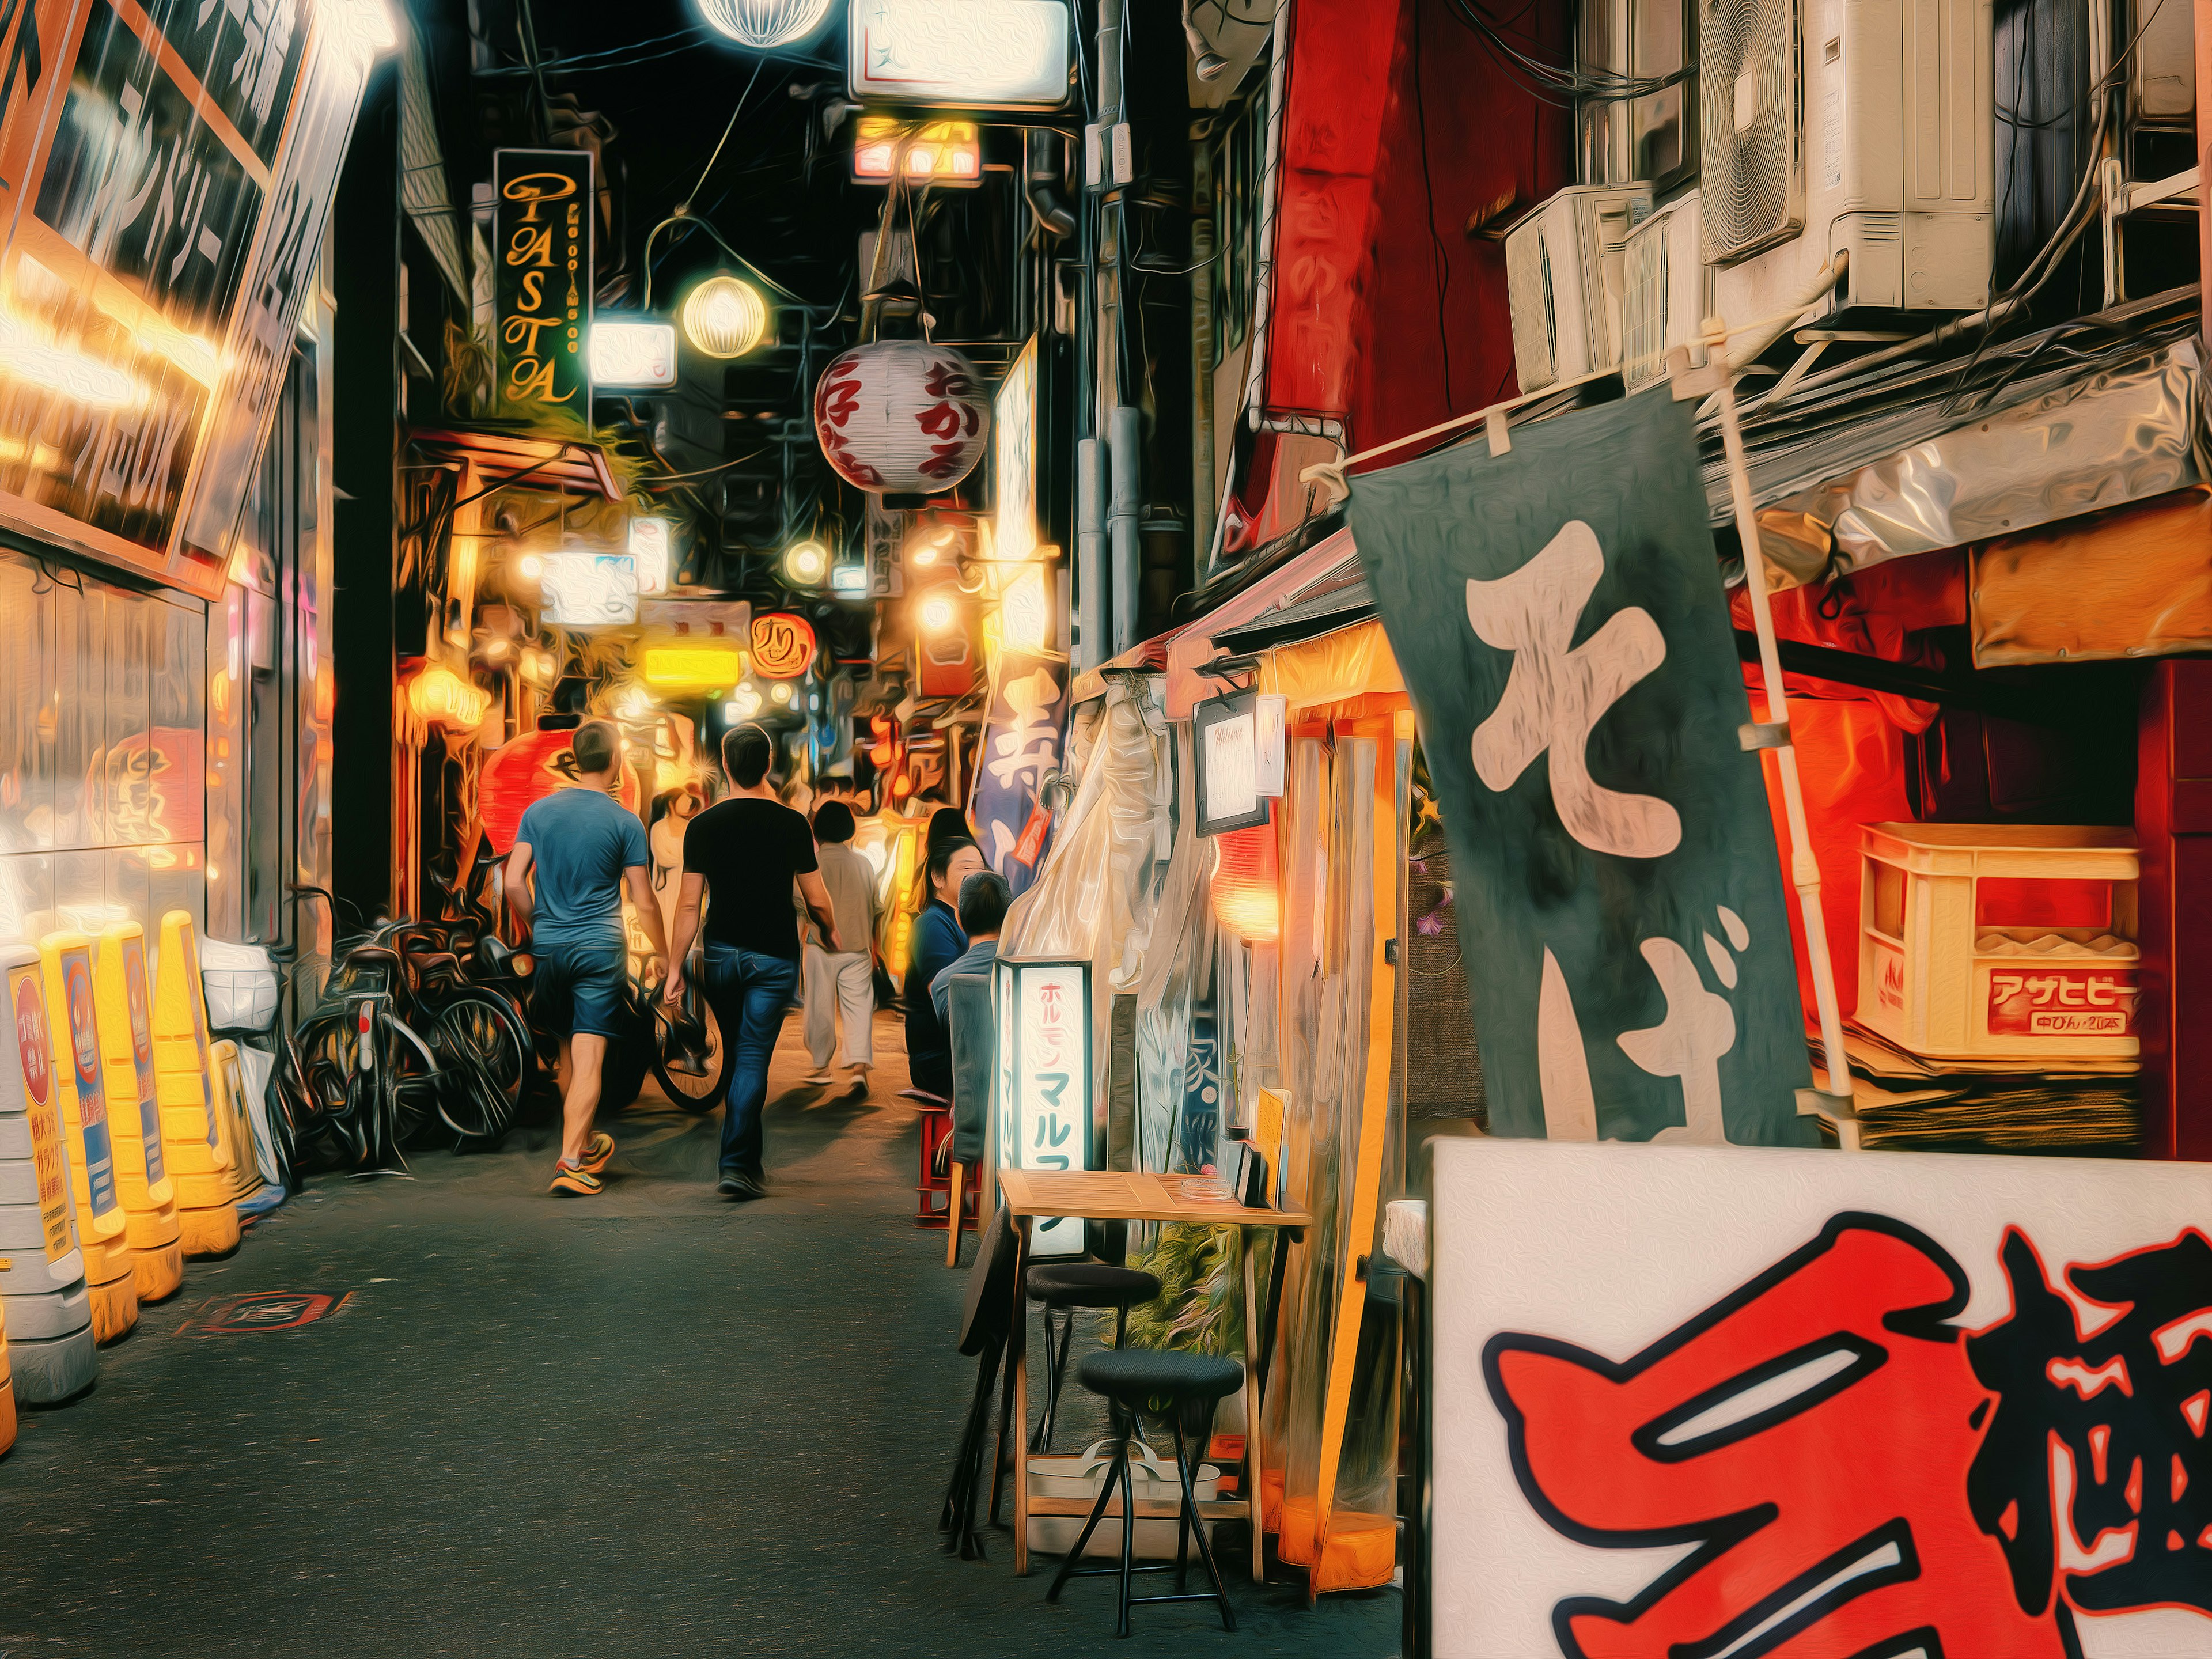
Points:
(701, 1093)
(485, 1059)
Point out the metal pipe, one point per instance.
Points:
(1121, 522)
(1054, 217)
(1091, 647)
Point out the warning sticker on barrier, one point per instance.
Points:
(263, 1310)
(49, 1167)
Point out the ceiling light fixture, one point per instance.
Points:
(764, 25)
(806, 563)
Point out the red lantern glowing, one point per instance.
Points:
(1246, 899)
(901, 416)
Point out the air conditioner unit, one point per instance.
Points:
(1562, 275)
(1667, 291)
(1863, 128)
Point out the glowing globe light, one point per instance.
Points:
(806, 563)
(764, 25)
(938, 613)
(724, 317)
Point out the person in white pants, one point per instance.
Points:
(842, 982)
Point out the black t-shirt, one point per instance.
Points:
(748, 850)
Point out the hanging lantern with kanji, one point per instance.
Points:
(902, 417)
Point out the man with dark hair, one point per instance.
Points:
(843, 979)
(575, 852)
(983, 902)
(935, 943)
(745, 852)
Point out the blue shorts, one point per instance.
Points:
(581, 989)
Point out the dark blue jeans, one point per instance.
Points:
(749, 993)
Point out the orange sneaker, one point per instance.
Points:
(598, 1152)
(582, 1183)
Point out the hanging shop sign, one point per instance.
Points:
(583, 589)
(528, 769)
(1044, 1097)
(937, 152)
(1799, 1402)
(884, 534)
(902, 417)
(632, 351)
(1226, 731)
(165, 177)
(967, 54)
(541, 280)
(652, 545)
(440, 696)
(783, 645)
(692, 665)
(1557, 614)
(1020, 752)
(1013, 459)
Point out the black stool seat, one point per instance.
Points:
(1133, 1377)
(1091, 1285)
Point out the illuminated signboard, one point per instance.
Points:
(589, 590)
(542, 279)
(971, 54)
(631, 351)
(1043, 1017)
(938, 152)
(165, 176)
(1013, 459)
(649, 545)
(783, 645)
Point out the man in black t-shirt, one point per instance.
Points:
(746, 852)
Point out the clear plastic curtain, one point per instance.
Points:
(1329, 947)
(1097, 893)
(1175, 995)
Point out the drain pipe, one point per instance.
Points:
(1090, 552)
(1122, 520)
(1263, 283)
(1052, 215)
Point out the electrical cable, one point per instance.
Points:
(707, 171)
(1439, 260)
(1564, 88)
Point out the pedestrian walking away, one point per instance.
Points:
(843, 981)
(575, 852)
(937, 943)
(740, 858)
(983, 901)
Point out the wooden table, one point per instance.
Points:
(1125, 1195)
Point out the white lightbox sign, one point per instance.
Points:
(632, 354)
(1043, 1011)
(589, 590)
(966, 53)
(649, 545)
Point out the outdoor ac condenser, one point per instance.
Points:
(1563, 277)
(1863, 127)
(1667, 291)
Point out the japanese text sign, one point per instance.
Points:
(1783, 1402)
(1021, 748)
(542, 288)
(165, 173)
(1043, 1109)
(1557, 612)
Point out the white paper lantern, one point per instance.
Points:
(903, 416)
(764, 25)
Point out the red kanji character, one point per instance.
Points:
(1812, 1434)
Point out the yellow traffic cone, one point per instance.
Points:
(126, 1052)
(66, 959)
(193, 1148)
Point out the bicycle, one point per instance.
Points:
(698, 1092)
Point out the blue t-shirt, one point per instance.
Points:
(581, 841)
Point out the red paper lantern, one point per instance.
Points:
(901, 416)
(528, 769)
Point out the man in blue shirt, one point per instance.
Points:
(935, 944)
(582, 848)
(983, 902)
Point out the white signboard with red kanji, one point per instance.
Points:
(1736, 1403)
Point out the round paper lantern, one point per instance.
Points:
(764, 25)
(724, 317)
(901, 416)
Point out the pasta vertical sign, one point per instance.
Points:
(543, 284)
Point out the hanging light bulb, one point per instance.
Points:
(805, 564)
(764, 25)
(724, 317)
